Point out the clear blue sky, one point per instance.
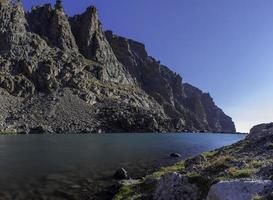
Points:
(224, 47)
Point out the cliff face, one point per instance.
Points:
(53, 26)
(64, 75)
(189, 107)
(205, 110)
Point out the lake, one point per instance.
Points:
(56, 166)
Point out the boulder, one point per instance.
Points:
(189, 163)
(175, 155)
(260, 131)
(121, 174)
(237, 189)
(175, 187)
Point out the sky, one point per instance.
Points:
(224, 47)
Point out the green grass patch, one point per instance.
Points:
(125, 192)
(258, 197)
(256, 163)
(240, 173)
(243, 173)
(233, 173)
(210, 154)
(7, 133)
(166, 170)
(219, 164)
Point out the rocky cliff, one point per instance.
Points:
(189, 107)
(62, 74)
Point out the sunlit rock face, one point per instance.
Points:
(67, 75)
(260, 131)
(93, 45)
(52, 25)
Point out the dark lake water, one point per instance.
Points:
(35, 164)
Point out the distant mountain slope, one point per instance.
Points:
(60, 74)
(189, 106)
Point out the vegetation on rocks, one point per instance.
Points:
(7, 133)
(249, 159)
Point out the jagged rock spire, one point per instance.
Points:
(12, 23)
(93, 44)
(59, 5)
(53, 25)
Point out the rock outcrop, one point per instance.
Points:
(93, 45)
(66, 75)
(261, 131)
(187, 106)
(52, 25)
(174, 186)
(237, 189)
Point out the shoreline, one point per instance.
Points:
(245, 162)
(162, 133)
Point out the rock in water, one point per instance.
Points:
(121, 174)
(175, 155)
(237, 189)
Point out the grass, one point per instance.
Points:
(256, 163)
(258, 197)
(219, 164)
(215, 166)
(220, 167)
(7, 133)
(210, 154)
(165, 170)
(241, 173)
(126, 192)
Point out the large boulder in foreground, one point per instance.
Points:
(260, 131)
(175, 187)
(237, 189)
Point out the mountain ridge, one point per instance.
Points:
(65, 74)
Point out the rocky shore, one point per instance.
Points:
(242, 171)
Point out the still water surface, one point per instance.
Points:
(26, 160)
